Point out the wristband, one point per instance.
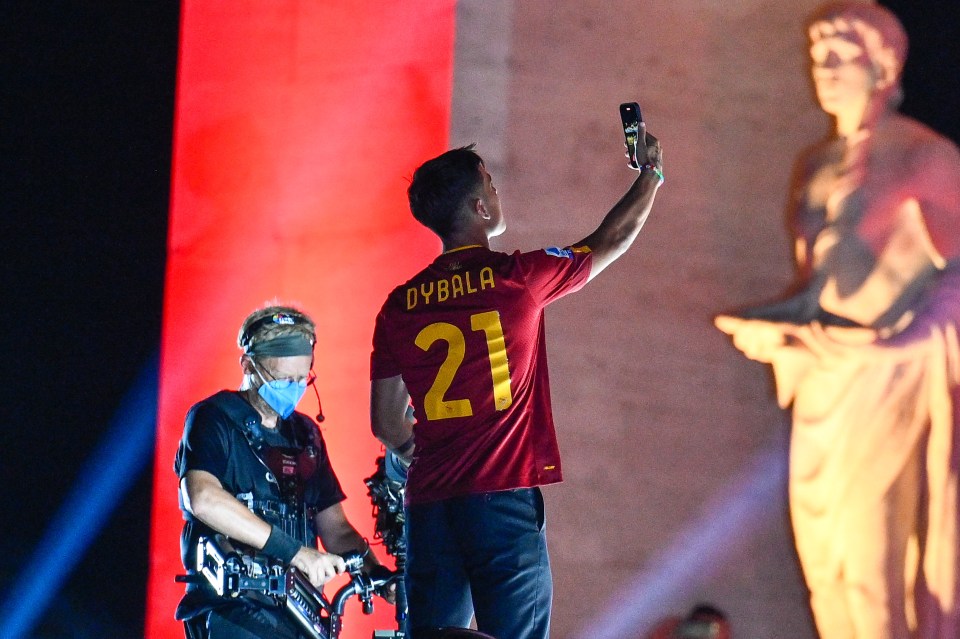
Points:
(405, 447)
(281, 546)
(654, 169)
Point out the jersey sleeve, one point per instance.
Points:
(205, 444)
(551, 273)
(383, 363)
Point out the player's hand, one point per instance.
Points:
(653, 152)
(319, 567)
(649, 153)
(757, 339)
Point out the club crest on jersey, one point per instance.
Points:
(559, 252)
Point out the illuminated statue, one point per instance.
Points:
(867, 352)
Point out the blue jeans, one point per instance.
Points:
(483, 554)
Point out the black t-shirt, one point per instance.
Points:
(215, 443)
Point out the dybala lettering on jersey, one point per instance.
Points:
(450, 288)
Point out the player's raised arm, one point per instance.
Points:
(623, 222)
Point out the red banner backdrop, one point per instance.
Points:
(297, 126)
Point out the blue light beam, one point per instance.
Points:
(109, 472)
(730, 520)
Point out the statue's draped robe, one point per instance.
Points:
(874, 468)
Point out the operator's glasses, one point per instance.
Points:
(307, 381)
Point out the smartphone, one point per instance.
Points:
(631, 118)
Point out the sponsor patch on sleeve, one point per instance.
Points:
(559, 252)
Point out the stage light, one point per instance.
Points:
(297, 127)
(105, 478)
(728, 522)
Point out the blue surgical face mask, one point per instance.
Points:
(282, 395)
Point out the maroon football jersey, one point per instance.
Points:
(466, 334)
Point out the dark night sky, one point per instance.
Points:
(86, 133)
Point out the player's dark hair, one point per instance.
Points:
(441, 186)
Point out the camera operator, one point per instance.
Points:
(253, 469)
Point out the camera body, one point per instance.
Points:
(386, 493)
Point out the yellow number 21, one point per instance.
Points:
(434, 404)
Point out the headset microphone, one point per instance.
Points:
(319, 416)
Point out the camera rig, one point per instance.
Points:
(232, 573)
(386, 489)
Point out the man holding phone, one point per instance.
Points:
(464, 340)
